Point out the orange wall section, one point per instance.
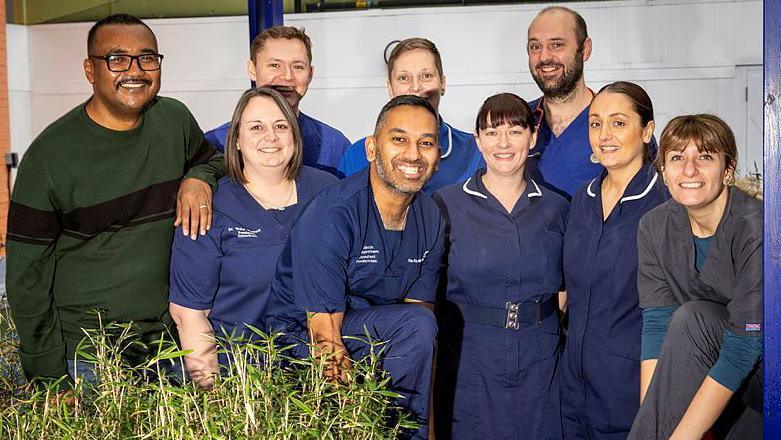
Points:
(5, 132)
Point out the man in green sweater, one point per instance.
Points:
(94, 204)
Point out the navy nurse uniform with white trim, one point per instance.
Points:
(499, 330)
(340, 258)
(600, 377)
(229, 270)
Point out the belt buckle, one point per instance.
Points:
(511, 321)
(538, 306)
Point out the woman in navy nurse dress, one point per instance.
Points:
(499, 326)
(221, 282)
(600, 376)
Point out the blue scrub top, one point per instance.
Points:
(230, 269)
(459, 158)
(600, 262)
(562, 163)
(495, 256)
(340, 256)
(323, 144)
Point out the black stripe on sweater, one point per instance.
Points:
(31, 225)
(146, 205)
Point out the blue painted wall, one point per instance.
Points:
(772, 196)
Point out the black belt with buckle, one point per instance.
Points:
(512, 315)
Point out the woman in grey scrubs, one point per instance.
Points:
(700, 287)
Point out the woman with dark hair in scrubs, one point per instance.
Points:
(221, 282)
(499, 326)
(600, 376)
(700, 284)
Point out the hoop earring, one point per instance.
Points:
(593, 158)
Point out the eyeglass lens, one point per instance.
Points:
(121, 63)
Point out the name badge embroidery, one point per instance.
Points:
(418, 260)
(753, 327)
(244, 232)
(368, 255)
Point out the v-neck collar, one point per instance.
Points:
(641, 184)
(243, 208)
(539, 117)
(681, 216)
(475, 187)
(410, 233)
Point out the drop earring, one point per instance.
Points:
(593, 158)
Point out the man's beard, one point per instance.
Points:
(385, 175)
(564, 86)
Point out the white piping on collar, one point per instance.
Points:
(628, 198)
(588, 189)
(449, 141)
(645, 192)
(471, 192)
(537, 193)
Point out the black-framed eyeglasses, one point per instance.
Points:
(122, 63)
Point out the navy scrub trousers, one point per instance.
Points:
(340, 258)
(600, 376)
(496, 380)
(408, 355)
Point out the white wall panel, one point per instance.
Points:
(684, 52)
(19, 89)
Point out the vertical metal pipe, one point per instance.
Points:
(772, 200)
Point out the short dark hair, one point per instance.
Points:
(280, 32)
(581, 30)
(401, 100)
(504, 108)
(641, 104)
(709, 132)
(234, 162)
(122, 19)
(412, 44)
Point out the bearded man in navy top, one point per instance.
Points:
(281, 58)
(558, 45)
(361, 251)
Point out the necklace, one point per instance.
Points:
(264, 203)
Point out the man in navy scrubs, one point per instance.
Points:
(558, 45)
(415, 68)
(281, 58)
(363, 248)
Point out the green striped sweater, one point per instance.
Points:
(90, 227)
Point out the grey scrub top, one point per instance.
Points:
(732, 274)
